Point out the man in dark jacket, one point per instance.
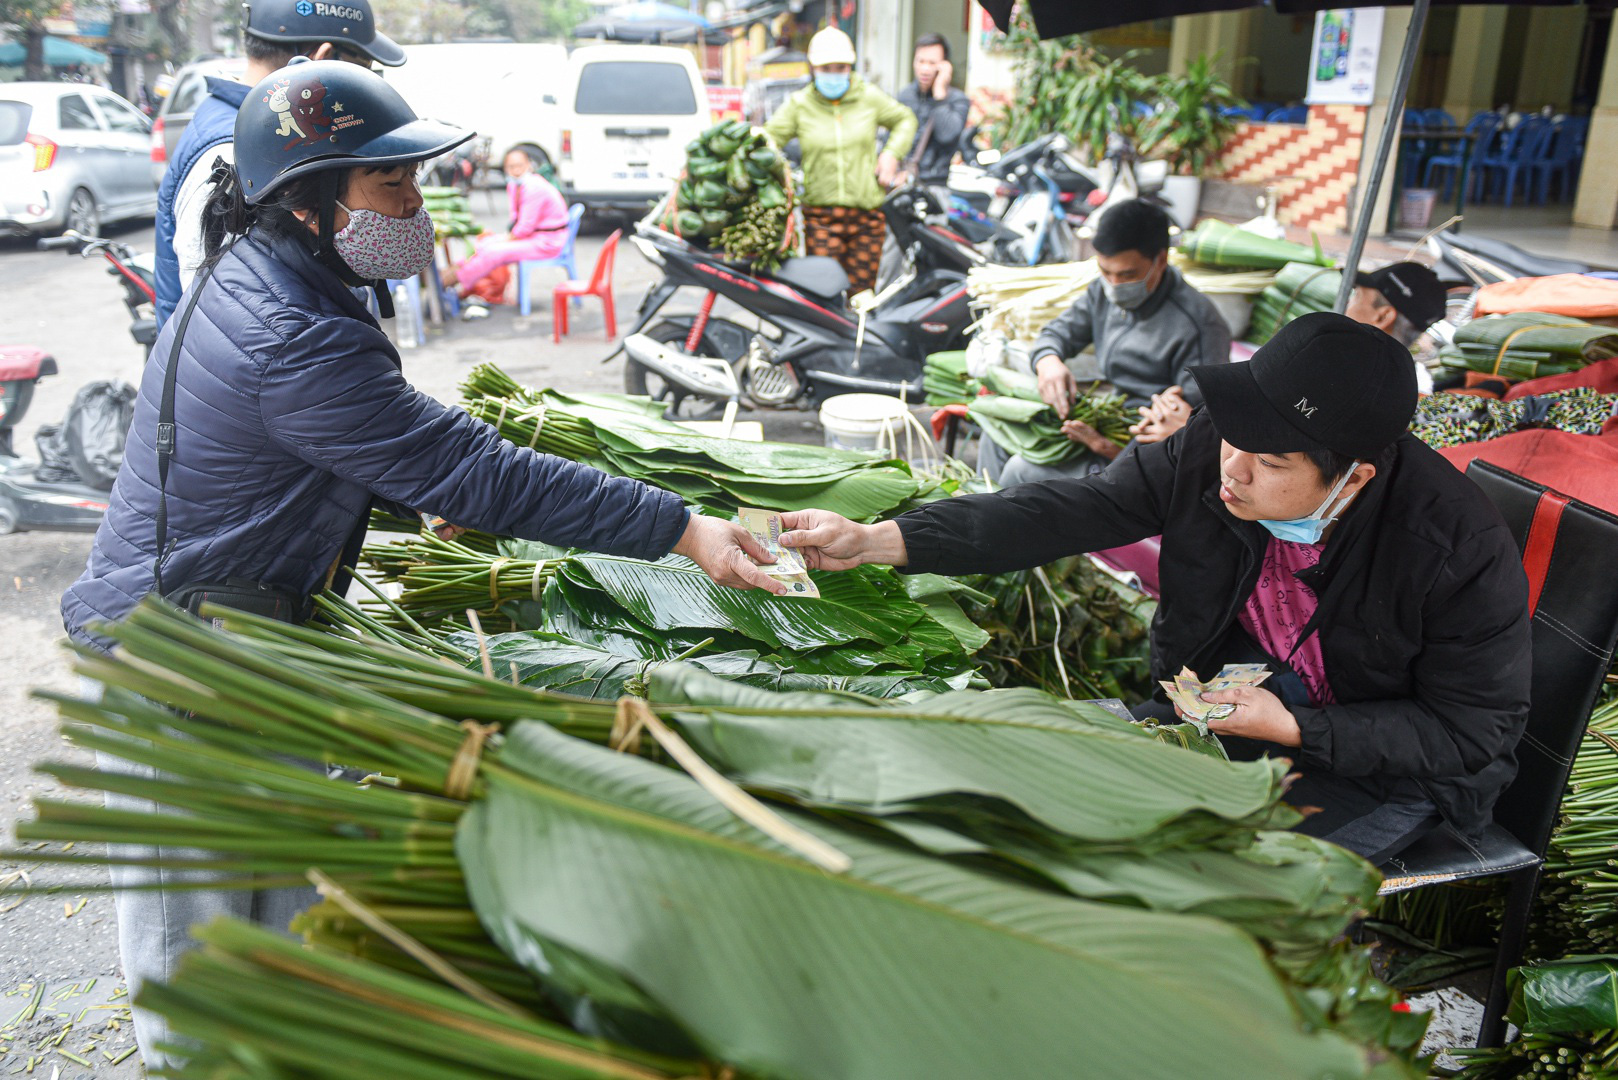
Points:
(276, 31)
(1302, 528)
(940, 111)
(1149, 328)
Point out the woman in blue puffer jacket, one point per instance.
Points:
(292, 418)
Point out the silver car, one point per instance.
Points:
(190, 90)
(71, 157)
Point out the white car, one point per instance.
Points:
(627, 112)
(71, 157)
(506, 92)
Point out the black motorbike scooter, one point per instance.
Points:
(811, 343)
(66, 489)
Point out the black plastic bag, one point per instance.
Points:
(54, 467)
(91, 437)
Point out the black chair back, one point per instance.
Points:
(1569, 550)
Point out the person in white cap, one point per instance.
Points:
(835, 120)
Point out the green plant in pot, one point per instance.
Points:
(1188, 127)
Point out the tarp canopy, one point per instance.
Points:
(59, 52)
(650, 20)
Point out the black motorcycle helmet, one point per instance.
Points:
(322, 117)
(347, 24)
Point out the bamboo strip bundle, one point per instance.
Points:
(1020, 301)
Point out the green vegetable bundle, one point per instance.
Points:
(1214, 243)
(736, 193)
(628, 436)
(945, 380)
(1565, 1010)
(963, 885)
(870, 621)
(451, 213)
(1528, 345)
(1300, 287)
(1015, 417)
(1069, 628)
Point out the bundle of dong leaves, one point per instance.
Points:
(736, 193)
(959, 884)
(629, 436)
(1528, 345)
(866, 622)
(1015, 417)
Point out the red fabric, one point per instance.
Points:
(1140, 558)
(1536, 556)
(1603, 377)
(941, 419)
(1582, 466)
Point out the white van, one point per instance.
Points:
(504, 91)
(627, 113)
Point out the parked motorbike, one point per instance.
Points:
(66, 487)
(811, 341)
(461, 167)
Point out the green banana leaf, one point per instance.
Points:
(552, 662)
(1076, 770)
(622, 885)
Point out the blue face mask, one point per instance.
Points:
(832, 86)
(1309, 530)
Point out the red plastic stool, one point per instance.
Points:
(600, 284)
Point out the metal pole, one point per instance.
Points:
(1384, 147)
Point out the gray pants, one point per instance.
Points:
(1008, 470)
(154, 924)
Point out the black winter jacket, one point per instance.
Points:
(1423, 613)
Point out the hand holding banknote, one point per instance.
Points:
(788, 568)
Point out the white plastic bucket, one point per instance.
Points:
(871, 422)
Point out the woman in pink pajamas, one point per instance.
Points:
(538, 226)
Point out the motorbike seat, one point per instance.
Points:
(19, 362)
(818, 275)
(1512, 257)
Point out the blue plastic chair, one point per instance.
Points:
(1560, 159)
(1244, 112)
(1522, 145)
(1292, 114)
(1482, 127)
(1438, 118)
(1412, 151)
(563, 258)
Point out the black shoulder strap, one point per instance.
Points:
(165, 428)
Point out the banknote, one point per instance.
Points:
(765, 525)
(1186, 690)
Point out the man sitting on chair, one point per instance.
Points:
(538, 226)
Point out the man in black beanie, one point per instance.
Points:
(1305, 530)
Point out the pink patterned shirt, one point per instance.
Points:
(1280, 607)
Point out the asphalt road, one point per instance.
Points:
(70, 307)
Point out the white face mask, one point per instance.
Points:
(378, 247)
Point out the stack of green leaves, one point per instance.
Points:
(1214, 243)
(451, 212)
(945, 380)
(737, 190)
(1015, 417)
(1013, 894)
(869, 621)
(1300, 287)
(628, 436)
(1528, 345)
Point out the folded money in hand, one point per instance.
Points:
(765, 525)
(1186, 691)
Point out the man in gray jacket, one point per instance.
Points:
(1149, 328)
(940, 110)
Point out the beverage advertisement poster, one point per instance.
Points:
(1342, 62)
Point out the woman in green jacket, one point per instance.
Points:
(835, 121)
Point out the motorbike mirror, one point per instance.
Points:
(548, 99)
(988, 157)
